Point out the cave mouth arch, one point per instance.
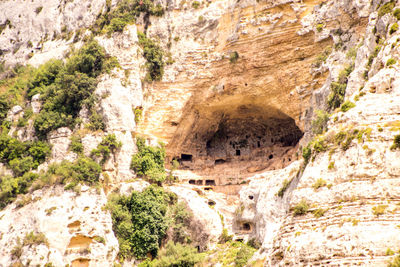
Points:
(238, 140)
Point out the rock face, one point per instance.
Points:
(235, 107)
(75, 226)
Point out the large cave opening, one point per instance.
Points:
(231, 142)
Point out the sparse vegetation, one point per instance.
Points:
(319, 27)
(76, 144)
(386, 8)
(394, 28)
(320, 122)
(396, 13)
(138, 111)
(347, 105)
(38, 9)
(379, 209)
(108, 145)
(321, 58)
(390, 61)
(153, 53)
(284, 187)
(395, 262)
(319, 212)
(338, 88)
(319, 183)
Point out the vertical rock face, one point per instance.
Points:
(236, 102)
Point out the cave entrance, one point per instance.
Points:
(233, 141)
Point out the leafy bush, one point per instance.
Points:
(390, 61)
(138, 114)
(394, 28)
(149, 161)
(108, 145)
(347, 105)
(301, 208)
(336, 96)
(66, 88)
(319, 212)
(153, 53)
(177, 255)
(22, 156)
(320, 122)
(34, 239)
(76, 144)
(320, 27)
(140, 221)
(10, 187)
(396, 142)
(81, 170)
(396, 13)
(322, 57)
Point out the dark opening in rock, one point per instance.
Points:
(211, 202)
(186, 157)
(199, 182)
(237, 152)
(251, 197)
(207, 188)
(192, 182)
(210, 182)
(219, 161)
(270, 156)
(246, 227)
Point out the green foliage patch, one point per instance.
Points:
(319, 124)
(66, 88)
(140, 221)
(149, 161)
(108, 145)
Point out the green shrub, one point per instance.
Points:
(76, 144)
(22, 156)
(396, 13)
(96, 122)
(396, 142)
(177, 255)
(319, 183)
(10, 187)
(82, 169)
(195, 4)
(394, 28)
(320, 27)
(243, 255)
(386, 8)
(233, 57)
(320, 122)
(336, 96)
(390, 61)
(34, 239)
(66, 88)
(373, 56)
(347, 105)
(319, 212)
(181, 218)
(301, 208)
(140, 221)
(153, 53)
(225, 237)
(4, 107)
(108, 145)
(149, 161)
(395, 262)
(38, 9)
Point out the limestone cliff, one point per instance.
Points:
(237, 107)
